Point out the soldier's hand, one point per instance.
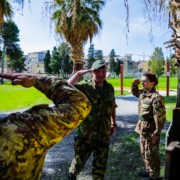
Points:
(136, 82)
(19, 79)
(113, 129)
(82, 72)
(154, 138)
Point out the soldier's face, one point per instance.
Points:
(99, 75)
(146, 84)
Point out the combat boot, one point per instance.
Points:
(71, 176)
(150, 178)
(143, 174)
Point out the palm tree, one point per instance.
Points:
(5, 11)
(76, 21)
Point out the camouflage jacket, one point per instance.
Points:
(98, 123)
(151, 109)
(26, 137)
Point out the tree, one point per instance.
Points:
(67, 63)
(76, 21)
(55, 61)
(117, 67)
(157, 62)
(47, 63)
(5, 11)
(91, 56)
(10, 35)
(15, 61)
(14, 52)
(64, 49)
(99, 55)
(112, 61)
(17, 65)
(1, 55)
(173, 68)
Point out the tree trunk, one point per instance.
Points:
(3, 55)
(178, 89)
(77, 56)
(1, 18)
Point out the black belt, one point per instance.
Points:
(146, 119)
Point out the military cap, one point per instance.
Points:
(98, 64)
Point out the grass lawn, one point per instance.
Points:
(125, 158)
(170, 103)
(118, 93)
(18, 97)
(128, 81)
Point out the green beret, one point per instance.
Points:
(98, 64)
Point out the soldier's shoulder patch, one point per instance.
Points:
(158, 102)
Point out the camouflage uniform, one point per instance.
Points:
(93, 133)
(26, 137)
(152, 116)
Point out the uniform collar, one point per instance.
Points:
(150, 92)
(95, 85)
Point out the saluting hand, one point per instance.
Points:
(136, 82)
(22, 79)
(82, 72)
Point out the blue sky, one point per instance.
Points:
(36, 35)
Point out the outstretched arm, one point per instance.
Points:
(75, 77)
(50, 125)
(30, 134)
(23, 79)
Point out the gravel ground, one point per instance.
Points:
(59, 158)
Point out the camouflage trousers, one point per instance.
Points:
(150, 153)
(83, 148)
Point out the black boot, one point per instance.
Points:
(150, 178)
(143, 174)
(71, 176)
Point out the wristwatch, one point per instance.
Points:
(115, 125)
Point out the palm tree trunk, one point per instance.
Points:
(3, 55)
(1, 18)
(77, 56)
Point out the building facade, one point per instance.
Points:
(35, 62)
(143, 66)
(129, 65)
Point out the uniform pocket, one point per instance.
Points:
(145, 105)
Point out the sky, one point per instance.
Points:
(36, 35)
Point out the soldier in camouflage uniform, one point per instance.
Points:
(26, 137)
(152, 116)
(93, 135)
